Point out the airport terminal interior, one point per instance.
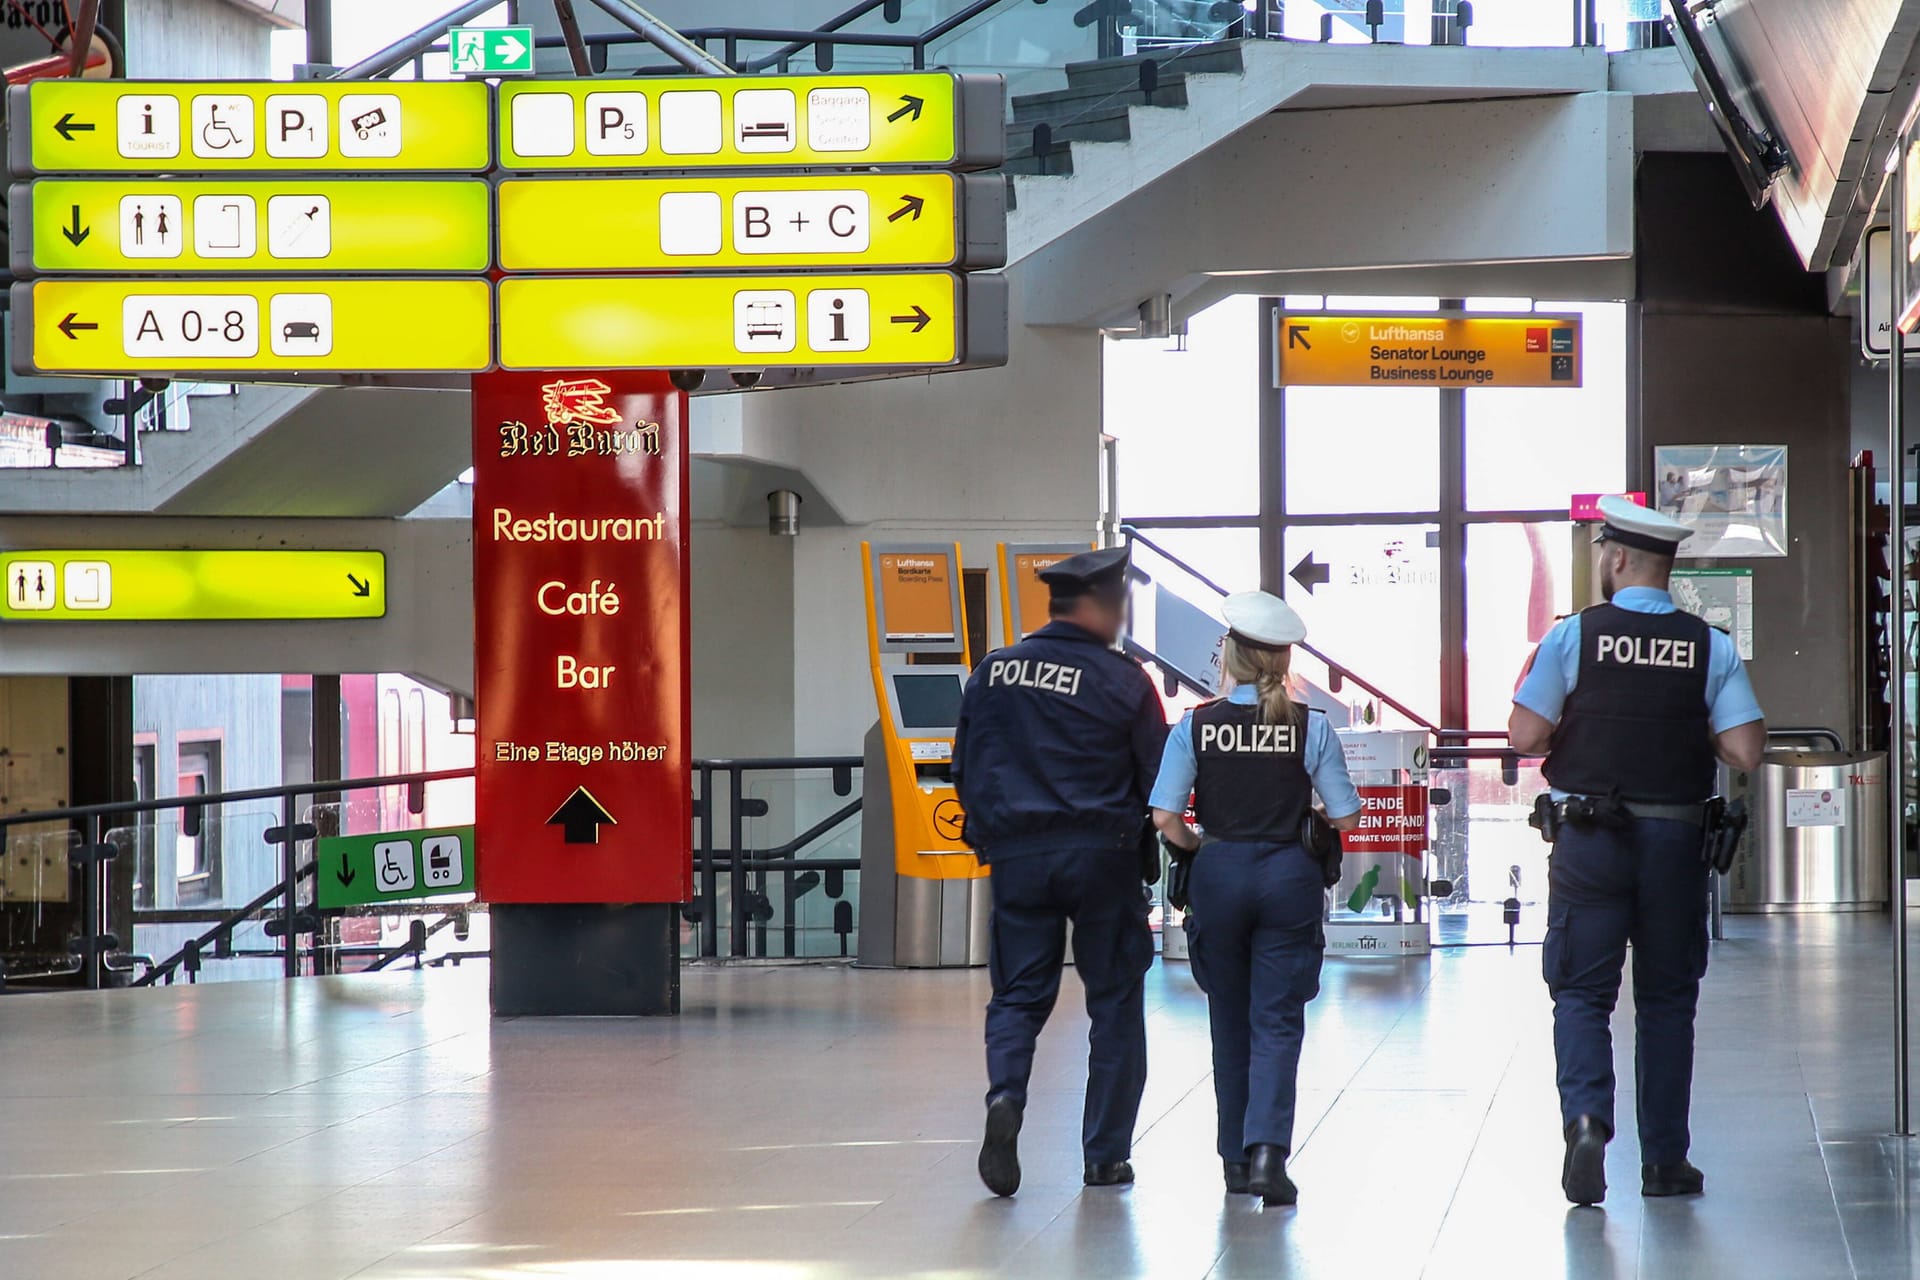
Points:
(503, 505)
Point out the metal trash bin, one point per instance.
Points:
(1818, 839)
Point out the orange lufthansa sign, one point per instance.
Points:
(1450, 352)
(916, 597)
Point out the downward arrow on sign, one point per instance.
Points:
(74, 232)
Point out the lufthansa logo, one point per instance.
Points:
(950, 820)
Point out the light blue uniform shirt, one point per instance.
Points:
(1326, 764)
(1556, 668)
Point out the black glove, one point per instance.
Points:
(1179, 875)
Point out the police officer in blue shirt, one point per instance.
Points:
(1631, 702)
(1252, 762)
(1056, 748)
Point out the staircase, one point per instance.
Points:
(1097, 104)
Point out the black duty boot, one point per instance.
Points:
(1584, 1175)
(1117, 1174)
(1000, 1152)
(1236, 1172)
(1680, 1179)
(1267, 1174)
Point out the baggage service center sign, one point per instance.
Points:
(1449, 352)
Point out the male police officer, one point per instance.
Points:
(1058, 743)
(1631, 701)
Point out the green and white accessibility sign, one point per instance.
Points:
(491, 51)
(394, 866)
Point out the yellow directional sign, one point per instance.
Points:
(216, 327)
(290, 225)
(919, 118)
(750, 223)
(191, 586)
(1452, 352)
(755, 322)
(122, 126)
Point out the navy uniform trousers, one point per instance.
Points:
(1645, 884)
(1033, 898)
(1256, 937)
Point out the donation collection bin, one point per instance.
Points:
(1818, 836)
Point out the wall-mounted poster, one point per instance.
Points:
(1733, 497)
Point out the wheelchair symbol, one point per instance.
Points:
(394, 866)
(217, 133)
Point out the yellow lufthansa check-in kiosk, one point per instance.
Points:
(1023, 596)
(924, 901)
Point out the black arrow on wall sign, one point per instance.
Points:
(581, 817)
(73, 231)
(1310, 573)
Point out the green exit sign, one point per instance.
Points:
(394, 866)
(491, 51)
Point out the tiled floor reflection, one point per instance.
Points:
(821, 1122)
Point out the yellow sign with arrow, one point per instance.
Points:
(191, 586)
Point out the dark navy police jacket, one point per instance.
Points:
(1057, 747)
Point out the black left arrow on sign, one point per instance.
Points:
(73, 231)
(73, 323)
(66, 126)
(360, 588)
(909, 106)
(910, 207)
(1311, 573)
(918, 318)
(581, 817)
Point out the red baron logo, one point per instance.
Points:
(579, 401)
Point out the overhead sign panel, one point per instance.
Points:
(675, 322)
(393, 866)
(919, 118)
(121, 126)
(1451, 352)
(291, 225)
(191, 586)
(752, 223)
(215, 327)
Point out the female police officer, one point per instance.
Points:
(1251, 762)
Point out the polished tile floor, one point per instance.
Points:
(821, 1122)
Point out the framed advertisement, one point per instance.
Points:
(1733, 497)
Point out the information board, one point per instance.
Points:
(286, 326)
(750, 223)
(1450, 352)
(917, 598)
(191, 585)
(308, 126)
(685, 322)
(853, 121)
(580, 572)
(229, 227)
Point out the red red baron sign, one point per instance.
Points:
(584, 787)
(1392, 820)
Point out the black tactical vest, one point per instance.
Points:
(1637, 720)
(1252, 783)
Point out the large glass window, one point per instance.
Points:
(1370, 596)
(1362, 449)
(197, 842)
(1519, 581)
(1532, 450)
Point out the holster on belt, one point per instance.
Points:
(1721, 828)
(1322, 843)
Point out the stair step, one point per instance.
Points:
(1222, 58)
(1114, 128)
(1083, 103)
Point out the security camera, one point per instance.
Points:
(746, 377)
(688, 380)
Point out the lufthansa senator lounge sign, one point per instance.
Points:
(1456, 351)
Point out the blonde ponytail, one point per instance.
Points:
(1267, 670)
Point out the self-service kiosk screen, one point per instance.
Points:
(930, 701)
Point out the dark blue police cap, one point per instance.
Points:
(1101, 572)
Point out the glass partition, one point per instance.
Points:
(1484, 853)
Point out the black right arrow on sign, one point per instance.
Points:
(918, 318)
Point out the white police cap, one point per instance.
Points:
(1263, 621)
(1632, 525)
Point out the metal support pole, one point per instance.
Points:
(709, 878)
(81, 42)
(1897, 656)
(737, 870)
(1454, 711)
(664, 38)
(1271, 425)
(289, 888)
(424, 38)
(90, 915)
(320, 32)
(570, 30)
